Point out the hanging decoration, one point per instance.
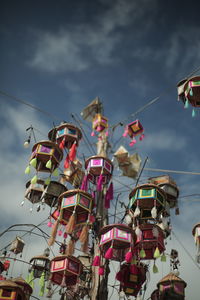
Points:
(92, 109)
(65, 270)
(167, 184)
(67, 136)
(99, 170)
(99, 124)
(196, 234)
(131, 277)
(189, 92)
(17, 245)
(12, 289)
(74, 174)
(128, 164)
(171, 287)
(134, 129)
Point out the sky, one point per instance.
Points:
(59, 55)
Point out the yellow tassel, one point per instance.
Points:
(84, 234)
(53, 233)
(71, 224)
(70, 248)
(84, 247)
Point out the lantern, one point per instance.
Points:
(155, 295)
(147, 201)
(74, 174)
(65, 135)
(45, 157)
(26, 288)
(150, 242)
(192, 91)
(99, 168)
(9, 290)
(17, 245)
(40, 264)
(52, 191)
(92, 109)
(34, 191)
(116, 241)
(128, 164)
(134, 129)
(76, 203)
(196, 234)
(131, 278)
(99, 123)
(168, 185)
(171, 287)
(65, 270)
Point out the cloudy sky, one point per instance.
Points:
(60, 55)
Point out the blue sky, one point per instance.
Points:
(60, 55)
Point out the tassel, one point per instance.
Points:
(84, 247)
(96, 261)
(53, 233)
(55, 172)
(42, 284)
(109, 253)
(154, 212)
(84, 234)
(191, 92)
(133, 142)
(100, 182)
(129, 256)
(92, 133)
(163, 258)
(65, 235)
(31, 279)
(107, 134)
(125, 132)
(47, 181)
(141, 137)
(137, 212)
(119, 276)
(66, 163)
(142, 253)
(70, 248)
(101, 271)
(27, 170)
(60, 232)
(84, 185)
(49, 224)
(186, 104)
(62, 144)
(155, 268)
(71, 224)
(156, 253)
(138, 232)
(33, 162)
(109, 196)
(128, 219)
(49, 164)
(193, 113)
(72, 152)
(34, 179)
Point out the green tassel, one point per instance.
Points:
(47, 181)
(49, 164)
(55, 172)
(191, 92)
(33, 162)
(193, 113)
(31, 279)
(163, 258)
(27, 170)
(156, 253)
(186, 104)
(155, 269)
(42, 284)
(142, 253)
(34, 179)
(27, 278)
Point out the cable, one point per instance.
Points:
(172, 171)
(28, 104)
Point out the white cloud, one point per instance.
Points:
(76, 48)
(164, 140)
